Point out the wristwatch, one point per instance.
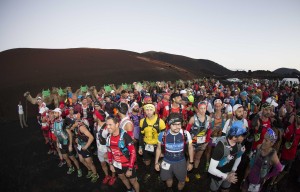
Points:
(192, 163)
(130, 169)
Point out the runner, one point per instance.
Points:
(64, 142)
(121, 154)
(21, 115)
(125, 123)
(150, 127)
(174, 140)
(264, 164)
(200, 130)
(226, 157)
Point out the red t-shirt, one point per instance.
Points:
(290, 154)
(166, 111)
(265, 126)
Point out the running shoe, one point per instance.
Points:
(89, 175)
(106, 179)
(112, 181)
(61, 163)
(94, 177)
(197, 176)
(71, 170)
(79, 173)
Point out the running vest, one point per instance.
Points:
(266, 162)
(227, 157)
(121, 144)
(82, 138)
(199, 128)
(59, 132)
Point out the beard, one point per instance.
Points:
(239, 117)
(136, 110)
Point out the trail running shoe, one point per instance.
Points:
(94, 177)
(146, 178)
(197, 176)
(112, 181)
(79, 173)
(106, 179)
(71, 170)
(187, 179)
(61, 163)
(89, 175)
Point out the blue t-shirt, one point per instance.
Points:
(174, 145)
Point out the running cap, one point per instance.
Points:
(237, 129)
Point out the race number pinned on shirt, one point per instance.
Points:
(79, 147)
(117, 164)
(254, 187)
(165, 165)
(149, 148)
(200, 139)
(214, 140)
(102, 148)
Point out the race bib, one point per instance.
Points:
(102, 148)
(254, 187)
(200, 139)
(214, 140)
(149, 148)
(79, 147)
(117, 165)
(165, 165)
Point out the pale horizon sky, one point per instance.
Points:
(243, 35)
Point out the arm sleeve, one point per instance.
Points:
(131, 149)
(275, 171)
(214, 171)
(225, 127)
(236, 164)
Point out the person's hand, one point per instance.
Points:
(232, 178)
(189, 167)
(140, 151)
(128, 172)
(84, 148)
(157, 168)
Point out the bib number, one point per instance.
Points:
(102, 148)
(165, 165)
(79, 147)
(200, 139)
(254, 187)
(149, 148)
(117, 165)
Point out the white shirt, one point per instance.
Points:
(21, 112)
(226, 127)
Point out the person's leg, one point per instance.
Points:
(21, 122)
(91, 165)
(135, 184)
(125, 180)
(180, 185)
(76, 163)
(23, 119)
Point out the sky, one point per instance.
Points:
(238, 34)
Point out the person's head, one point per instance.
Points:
(175, 122)
(237, 131)
(71, 110)
(112, 124)
(176, 98)
(99, 115)
(202, 106)
(243, 95)
(166, 96)
(290, 105)
(124, 94)
(238, 111)
(74, 98)
(77, 114)
(147, 100)
(218, 104)
(107, 98)
(39, 100)
(84, 100)
(266, 110)
(269, 139)
(122, 108)
(135, 107)
(57, 112)
(183, 93)
(89, 99)
(97, 105)
(149, 110)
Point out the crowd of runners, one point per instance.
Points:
(171, 128)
